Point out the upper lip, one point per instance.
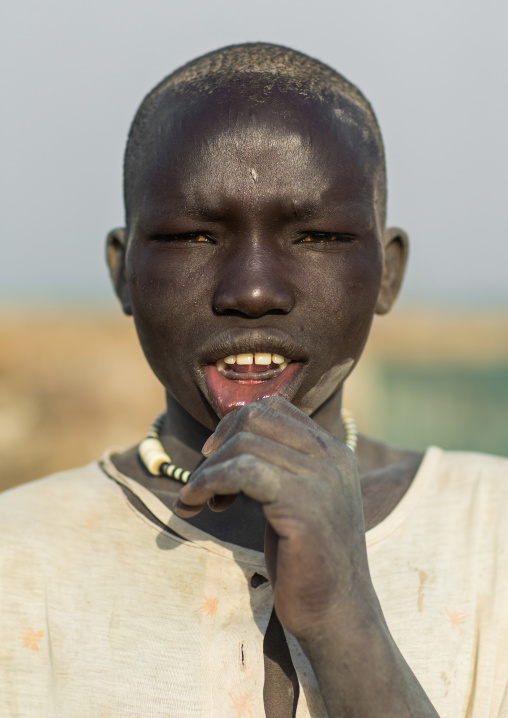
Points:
(242, 340)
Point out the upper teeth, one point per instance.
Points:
(257, 358)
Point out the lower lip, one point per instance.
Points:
(229, 394)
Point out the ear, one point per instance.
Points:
(395, 247)
(115, 257)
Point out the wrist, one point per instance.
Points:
(348, 617)
(352, 629)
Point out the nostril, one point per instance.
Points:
(253, 301)
(239, 313)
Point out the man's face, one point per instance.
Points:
(253, 231)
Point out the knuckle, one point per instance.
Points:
(274, 402)
(238, 441)
(250, 411)
(247, 463)
(319, 439)
(201, 479)
(244, 415)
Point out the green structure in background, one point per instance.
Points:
(451, 406)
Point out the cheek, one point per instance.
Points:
(356, 299)
(166, 288)
(362, 278)
(344, 302)
(164, 300)
(344, 291)
(326, 386)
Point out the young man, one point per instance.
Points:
(254, 257)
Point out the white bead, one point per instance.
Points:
(150, 445)
(153, 455)
(153, 460)
(350, 430)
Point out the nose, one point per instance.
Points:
(254, 282)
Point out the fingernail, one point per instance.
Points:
(177, 506)
(207, 446)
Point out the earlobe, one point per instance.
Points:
(116, 246)
(396, 247)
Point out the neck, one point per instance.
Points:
(182, 436)
(328, 415)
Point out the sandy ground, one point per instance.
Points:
(72, 384)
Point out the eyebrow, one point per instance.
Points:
(301, 212)
(291, 210)
(181, 211)
(308, 212)
(201, 213)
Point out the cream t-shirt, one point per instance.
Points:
(105, 615)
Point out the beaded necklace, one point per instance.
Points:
(152, 454)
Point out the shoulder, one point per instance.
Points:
(468, 467)
(467, 474)
(470, 489)
(64, 500)
(72, 485)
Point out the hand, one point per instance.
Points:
(308, 485)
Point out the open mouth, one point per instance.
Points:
(240, 379)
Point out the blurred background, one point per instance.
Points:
(72, 378)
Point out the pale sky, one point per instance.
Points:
(74, 72)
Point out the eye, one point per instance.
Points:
(185, 238)
(325, 237)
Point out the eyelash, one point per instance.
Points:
(324, 238)
(189, 237)
(305, 238)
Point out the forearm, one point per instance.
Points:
(362, 674)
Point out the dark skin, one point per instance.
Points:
(259, 230)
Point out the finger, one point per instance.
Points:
(216, 503)
(275, 402)
(221, 503)
(294, 458)
(255, 478)
(278, 420)
(184, 511)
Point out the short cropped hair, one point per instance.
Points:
(263, 66)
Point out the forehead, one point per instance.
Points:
(284, 143)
